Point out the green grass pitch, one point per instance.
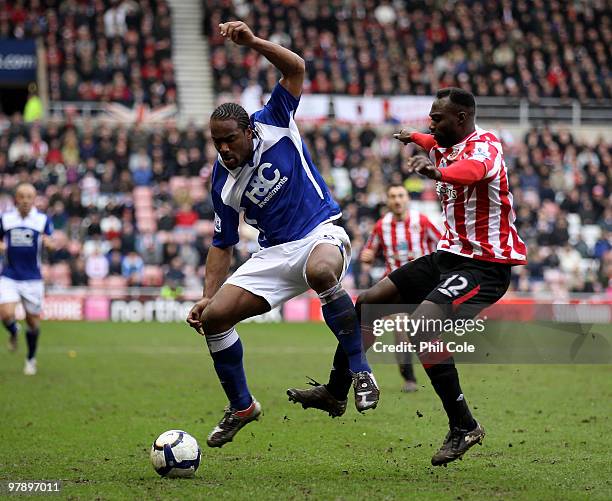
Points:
(90, 419)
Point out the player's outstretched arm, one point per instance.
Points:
(404, 136)
(288, 63)
(425, 141)
(217, 266)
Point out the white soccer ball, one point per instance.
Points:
(175, 453)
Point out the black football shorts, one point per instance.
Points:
(466, 285)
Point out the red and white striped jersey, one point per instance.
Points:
(478, 214)
(403, 241)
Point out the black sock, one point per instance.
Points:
(11, 326)
(340, 379)
(342, 319)
(32, 340)
(445, 380)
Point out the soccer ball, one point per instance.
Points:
(175, 453)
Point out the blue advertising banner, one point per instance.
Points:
(17, 61)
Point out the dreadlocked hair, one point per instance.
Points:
(232, 111)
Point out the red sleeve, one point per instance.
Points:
(425, 141)
(374, 241)
(463, 172)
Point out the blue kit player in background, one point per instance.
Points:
(23, 233)
(265, 171)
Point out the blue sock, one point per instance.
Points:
(11, 327)
(341, 317)
(226, 351)
(32, 340)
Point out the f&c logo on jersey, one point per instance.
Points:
(262, 189)
(22, 237)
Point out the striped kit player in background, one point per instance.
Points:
(401, 235)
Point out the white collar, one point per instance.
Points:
(27, 215)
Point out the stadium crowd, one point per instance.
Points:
(132, 207)
(103, 50)
(540, 48)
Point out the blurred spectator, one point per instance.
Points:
(96, 265)
(19, 152)
(166, 218)
(70, 151)
(115, 18)
(175, 274)
(606, 219)
(61, 252)
(140, 165)
(128, 238)
(170, 251)
(115, 262)
(33, 110)
(58, 215)
(149, 248)
(110, 225)
(78, 274)
(132, 268)
(603, 245)
(93, 225)
(185, 217)
(171, 290)
(139, 159)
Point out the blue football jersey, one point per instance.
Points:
(280, 190)
(23, 239)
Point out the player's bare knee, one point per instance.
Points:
(7, 320)
(33, 321)
(321, 278)
(324, 267)
(215, 320)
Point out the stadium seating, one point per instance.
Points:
(415, 47)
(110, 50)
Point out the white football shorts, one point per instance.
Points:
(29, 292)
(278, 273)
